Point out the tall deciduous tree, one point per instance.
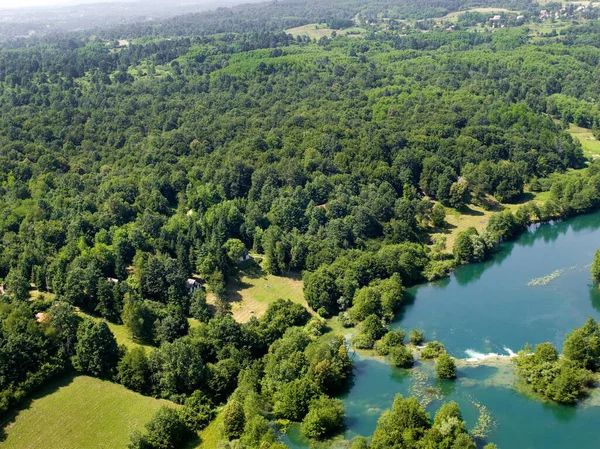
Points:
(234, 420)
(96, 351)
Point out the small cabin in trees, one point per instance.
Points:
(193, 285)
(245, 257)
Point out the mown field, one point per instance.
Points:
(591, 146)
(476, 217)
(211, 435)
(318, 30)
(252, 290)
(80, 412)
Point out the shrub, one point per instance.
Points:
(416, 336)
(197, 411)
(133, 370)
(433, 350)
(234, 420)
(166, 430)
(401, 357)
(389, 341)
(325, 417)
(445, 367)
(362, 341)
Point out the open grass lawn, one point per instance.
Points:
(80, 412)
(458, 221)
(252, 290)
(545, 28)
(591, 146)
(312, 30)
(211, 435)
(318, 30)
(478, 217)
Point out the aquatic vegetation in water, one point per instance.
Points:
(485, 422)
(422, 389)
(545, 280)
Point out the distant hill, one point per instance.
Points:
(36, 17)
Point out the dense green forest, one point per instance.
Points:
(128, 170)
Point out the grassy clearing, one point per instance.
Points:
(312, 30)
(211, 435)
(34, 293)
(458, 221)
(193, 322)
(252, 290)
(591, 146)
(80, 412)
(454, 15)
(478, 217)
(545, 27)
(318, 30)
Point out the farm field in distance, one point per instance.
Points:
(80, 412)
(319, 30)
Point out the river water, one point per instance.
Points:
(535, 289)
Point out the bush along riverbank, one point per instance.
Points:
(565, 378)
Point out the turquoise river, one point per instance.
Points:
(536, 289)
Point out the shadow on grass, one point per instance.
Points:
(193, 443)
(466, 210)
(50, 387)
(523, 198)
(251, 272)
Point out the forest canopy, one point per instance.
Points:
(137, 178)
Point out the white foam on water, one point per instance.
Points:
(474, 356)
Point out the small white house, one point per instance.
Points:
(245, 257)
(113, 280)
(192, 285)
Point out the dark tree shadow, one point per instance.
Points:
(194, 442)
(525, 197)
(251, 270)
(466, 210)
(51, 387)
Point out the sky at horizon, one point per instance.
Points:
(37, 3)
